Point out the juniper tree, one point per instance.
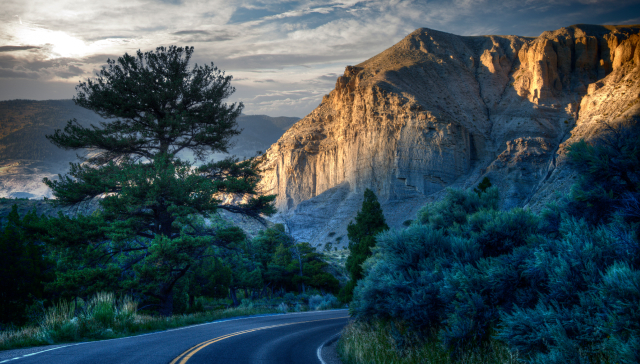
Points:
(155, 107)
(369, 222)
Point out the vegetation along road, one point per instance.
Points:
(290, 338)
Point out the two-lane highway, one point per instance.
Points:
(286, 339)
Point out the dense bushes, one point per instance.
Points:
(561, 287)
(36, 271)
(551, 299)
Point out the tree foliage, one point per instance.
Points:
(609, 167)
(24, 269)
(147, 231)
(362, 237)
(482, 186)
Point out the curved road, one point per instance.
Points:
(286, 339)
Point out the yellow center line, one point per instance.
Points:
(184, 357)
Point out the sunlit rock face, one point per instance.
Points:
(438, 110)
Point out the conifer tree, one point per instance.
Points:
(24, 269)
(483, 186)
(369, 222)
(156, 107)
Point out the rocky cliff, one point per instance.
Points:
(438, 110)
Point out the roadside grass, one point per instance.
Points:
(372, 343)
(106, 316)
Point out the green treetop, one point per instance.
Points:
(156, 106)
(369, 222)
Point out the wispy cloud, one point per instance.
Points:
(285, 54)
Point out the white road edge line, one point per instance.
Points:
(159, 332)
(319, 351)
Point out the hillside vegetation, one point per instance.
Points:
(24, 124)
(467, 282)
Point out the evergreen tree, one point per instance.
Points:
(156, 106)
(369, 222)
(483, 186)
(23, 268)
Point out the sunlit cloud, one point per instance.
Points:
(284, 55)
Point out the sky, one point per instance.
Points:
(283, 55)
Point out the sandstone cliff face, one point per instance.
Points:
(439, 110)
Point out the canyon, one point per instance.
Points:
(437, 110)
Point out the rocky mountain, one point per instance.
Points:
(438, 110)
(26, 156)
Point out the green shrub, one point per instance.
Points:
(456, 206)
(550, 297)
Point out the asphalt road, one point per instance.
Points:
(285, 339)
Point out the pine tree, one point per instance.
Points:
(482, 186)
(157, 107)
(24, 269)
(369, 222)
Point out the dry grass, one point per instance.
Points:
(374, 343)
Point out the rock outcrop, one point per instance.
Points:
(438, 110)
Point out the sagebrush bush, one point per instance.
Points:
(589, 302)
(404, 275)
(315, 301)
(570, 293)
(456, 206)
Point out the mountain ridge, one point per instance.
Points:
(438, 110)
(26, 156)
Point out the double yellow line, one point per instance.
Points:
(184, 357)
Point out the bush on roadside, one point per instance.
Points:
(569, 294)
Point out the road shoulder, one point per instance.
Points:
(329, 353)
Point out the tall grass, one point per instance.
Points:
(390, 343)
(104, 317)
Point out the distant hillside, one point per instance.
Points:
(26, 156)
(24, 124)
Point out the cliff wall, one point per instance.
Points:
(438, 110)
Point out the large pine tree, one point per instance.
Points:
(156, 107)
(369, 222)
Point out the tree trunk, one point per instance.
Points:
(232, 294)
(192, 301)
(166, 304)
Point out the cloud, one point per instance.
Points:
(9, 73)
(17, 48)
(300, 45)
(189, 32)
(331, 77)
